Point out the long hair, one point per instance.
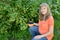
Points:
(46, 16)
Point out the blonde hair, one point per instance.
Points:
(46, 16)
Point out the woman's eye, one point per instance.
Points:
(44, 8)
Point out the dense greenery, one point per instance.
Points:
(14, 15)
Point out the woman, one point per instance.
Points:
(45, 24)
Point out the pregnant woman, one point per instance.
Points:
(45, 28)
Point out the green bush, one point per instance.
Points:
(14, 15)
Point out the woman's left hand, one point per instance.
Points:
(38, 36)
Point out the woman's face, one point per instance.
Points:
(43, 10)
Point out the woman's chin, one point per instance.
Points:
(43, 13)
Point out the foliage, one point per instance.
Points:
(14, 15)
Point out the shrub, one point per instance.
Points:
(14, 15)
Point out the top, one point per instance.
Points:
(45, 25)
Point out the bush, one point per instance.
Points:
(14, 15)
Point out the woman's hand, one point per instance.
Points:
(38, 36)
(36, 24)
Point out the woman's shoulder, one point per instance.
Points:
(51, 18)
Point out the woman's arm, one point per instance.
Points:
(36, 24)
(46, 34)
(49, 32)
